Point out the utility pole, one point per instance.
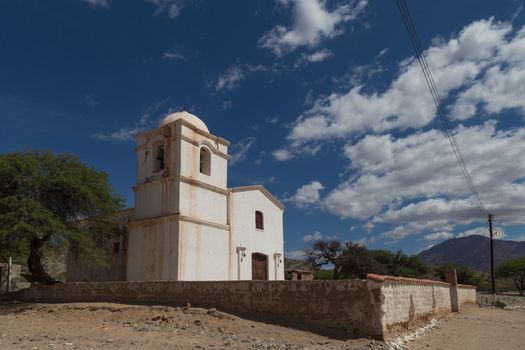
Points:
(492, 277)
(9, 266)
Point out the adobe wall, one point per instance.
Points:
(381, 306)
(349, 307)
(408, 302)
(467, 294)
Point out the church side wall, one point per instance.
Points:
(244, 234)
(153, 250)
(204, 252)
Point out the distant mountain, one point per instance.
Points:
(472, 251)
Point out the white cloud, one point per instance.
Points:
(369, 225)
(413, 181)
(150, 111)
(412, 228)
(99, 3)
(312, 23)
(239, 151)
(282, 154)
(123, 134)
(406, 103)
(436, 236)
(483, 231)
(383, 52)
(356, 76)
(314, 57)
(316, 236)
(230, 79)
(307, 195)
(235, 74)
(416, 179)
(172, 8)
(295, 254)
(144, 122)
(174, 56)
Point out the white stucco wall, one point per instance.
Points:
(244, 234)
(156, 198)
(406, 303)
(204, 204)
(190, 159)
(203, 253)
(153, 250)
(466, 295)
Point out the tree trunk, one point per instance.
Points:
(337, 273)
(34, 262)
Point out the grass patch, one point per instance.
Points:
(500, 304)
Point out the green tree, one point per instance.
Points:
(322, 274)
(514, 269)
(400, 264)
(326, 253)
(465, 274)
(48, 203)
(349, 260)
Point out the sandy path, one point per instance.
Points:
(478, 329)
(118, 326)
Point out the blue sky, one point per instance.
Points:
(322, 101)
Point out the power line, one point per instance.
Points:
(414, 39)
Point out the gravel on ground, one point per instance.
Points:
(119, 326)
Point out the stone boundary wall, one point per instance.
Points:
(379, 307)
(409, 302)
(466, 294)
(348, 307)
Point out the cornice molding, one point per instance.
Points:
(213, 149)
(186, 180)
(263, 190)
(179, 217)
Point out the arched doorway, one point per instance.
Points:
(259, 267)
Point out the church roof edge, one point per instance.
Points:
(264, 191)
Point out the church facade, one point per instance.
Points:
(187, 224)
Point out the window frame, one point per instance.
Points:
(158, 165)
(205, 161)
(257, 220)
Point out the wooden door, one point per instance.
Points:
(259, 267)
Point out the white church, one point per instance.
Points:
(187, 224)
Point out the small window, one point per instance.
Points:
(205, 161)
(116, 248)
(158, 157)
(259, 220)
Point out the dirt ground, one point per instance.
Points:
(116, 326)
(480, 328)
(119, 326)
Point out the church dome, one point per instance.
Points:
(188, 117)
